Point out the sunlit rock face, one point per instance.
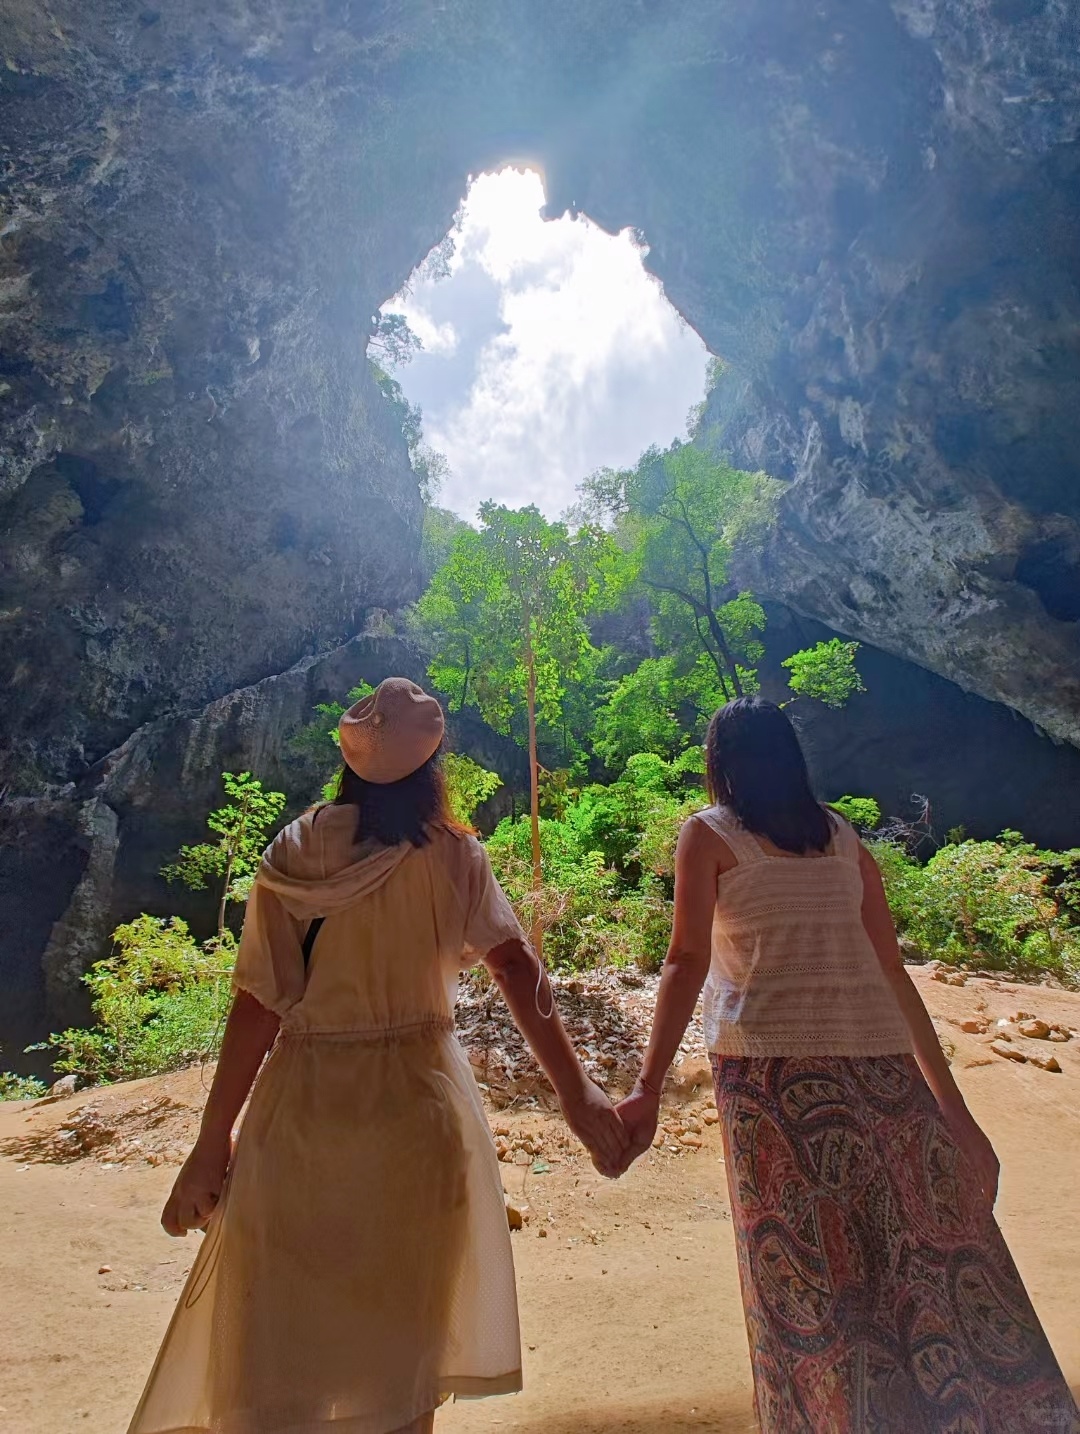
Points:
(869, 211)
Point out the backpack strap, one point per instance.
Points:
(316, 925)
(309, 939)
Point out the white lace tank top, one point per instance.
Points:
(793, 971)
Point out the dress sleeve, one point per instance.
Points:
(270, 962)
(489, 917)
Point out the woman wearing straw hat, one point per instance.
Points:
(357, 1269)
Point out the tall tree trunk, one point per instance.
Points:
(534, 793)
(729, 658)
(224, 897)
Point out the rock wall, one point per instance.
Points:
(868, 209)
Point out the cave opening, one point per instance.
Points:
(527, 352)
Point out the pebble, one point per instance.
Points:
(1046, 1063)
(1058, 1035)
(515, 1213)
(711, 1117)
(691, 1140)
(105, 1269)
(66, 1085)
(1034, 1029)
(1009, 1052)
(975, 1026)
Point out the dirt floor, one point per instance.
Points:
(631, 1319)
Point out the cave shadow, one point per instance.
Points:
(85, 1134)
(721, 1414)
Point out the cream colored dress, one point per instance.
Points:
(358, 1268)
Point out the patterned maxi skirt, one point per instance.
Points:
(880, 1296)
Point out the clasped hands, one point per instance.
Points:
(614, 1135)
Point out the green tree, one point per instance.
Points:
(242, 828)
(468, 785)
(826, 671)
(505, 621)
(680, 514)
(431, 467)
(392, 343)
(656, 708)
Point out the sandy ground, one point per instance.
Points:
(630, 1307)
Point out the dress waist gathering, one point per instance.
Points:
(376, 1035)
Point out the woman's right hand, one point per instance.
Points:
(971, 1139)
(197, 1189)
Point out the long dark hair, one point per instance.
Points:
(755, 766)
(392, 812)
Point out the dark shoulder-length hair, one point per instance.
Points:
(392, 812)
(755, 766)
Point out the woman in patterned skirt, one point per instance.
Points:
(878, 1290)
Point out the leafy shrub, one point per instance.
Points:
(862, 812)
(1001, 904)
(576, 895)
(159, 1003)
(608, 866)
(17, 1087)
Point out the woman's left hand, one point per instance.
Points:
(592, 1118)
(975, 1144)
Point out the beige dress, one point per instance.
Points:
(358, 1269)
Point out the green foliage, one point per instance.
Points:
(862, 812)
(430, 467)
(608, 866)
(317, 742)
(159, 1002)
(392, 343)
(242, 826)
(826, 671)
(468, 785)
(440, 529)
(511, 597)
(1001, 904)
(657, 708)
(17, 1087)
(680, 515)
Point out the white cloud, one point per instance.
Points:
(548, 352)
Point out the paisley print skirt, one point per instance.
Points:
(879, 1294)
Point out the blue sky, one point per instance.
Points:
(548, 352)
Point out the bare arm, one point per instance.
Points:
(527, 991)
(878, 923)
(697, 865)
(249, 1033)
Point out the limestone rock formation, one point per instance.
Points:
(869, 211)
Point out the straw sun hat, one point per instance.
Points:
(392, 732)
